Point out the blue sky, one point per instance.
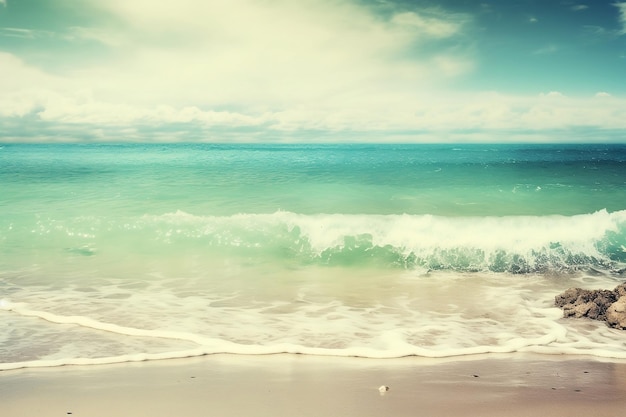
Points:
(313, 71)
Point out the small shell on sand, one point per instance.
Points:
(383, 389)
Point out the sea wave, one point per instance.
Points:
(516, 244)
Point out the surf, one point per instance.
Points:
(519, 244)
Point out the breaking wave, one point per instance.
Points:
(516, 244)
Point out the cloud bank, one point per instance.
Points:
(277, 70)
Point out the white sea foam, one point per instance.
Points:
(513, 243)
(425, 232)
(379, 316)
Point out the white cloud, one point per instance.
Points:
(76, 110)
(622, 15)
(106, 37)
(428, 25)
(18, 33)
(240, 62)
(266, 54)
(81, 108)
(493, 111)
(18, 76)
(279, 68)
(579, 7)
(546, 50)
(552, 94)
(488, 113)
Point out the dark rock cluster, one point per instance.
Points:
(606, 305)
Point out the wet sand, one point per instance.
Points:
(297, 385)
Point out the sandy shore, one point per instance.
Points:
(297, 385)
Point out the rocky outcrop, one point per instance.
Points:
(616, 314)
(595, 304)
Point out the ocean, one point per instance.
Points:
(126, 252)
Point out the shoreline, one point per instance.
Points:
(517, 385)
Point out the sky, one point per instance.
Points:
(313, 71)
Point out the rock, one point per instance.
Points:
(603, 300)
(620, 290)
(593, 304)
(589, 309)
(568, 297)
(616, 314)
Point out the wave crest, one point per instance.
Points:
(517, 244)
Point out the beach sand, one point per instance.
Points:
(298, 385)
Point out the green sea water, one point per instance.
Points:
(115, 252)
(450, 180)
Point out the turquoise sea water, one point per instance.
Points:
(112, 253)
